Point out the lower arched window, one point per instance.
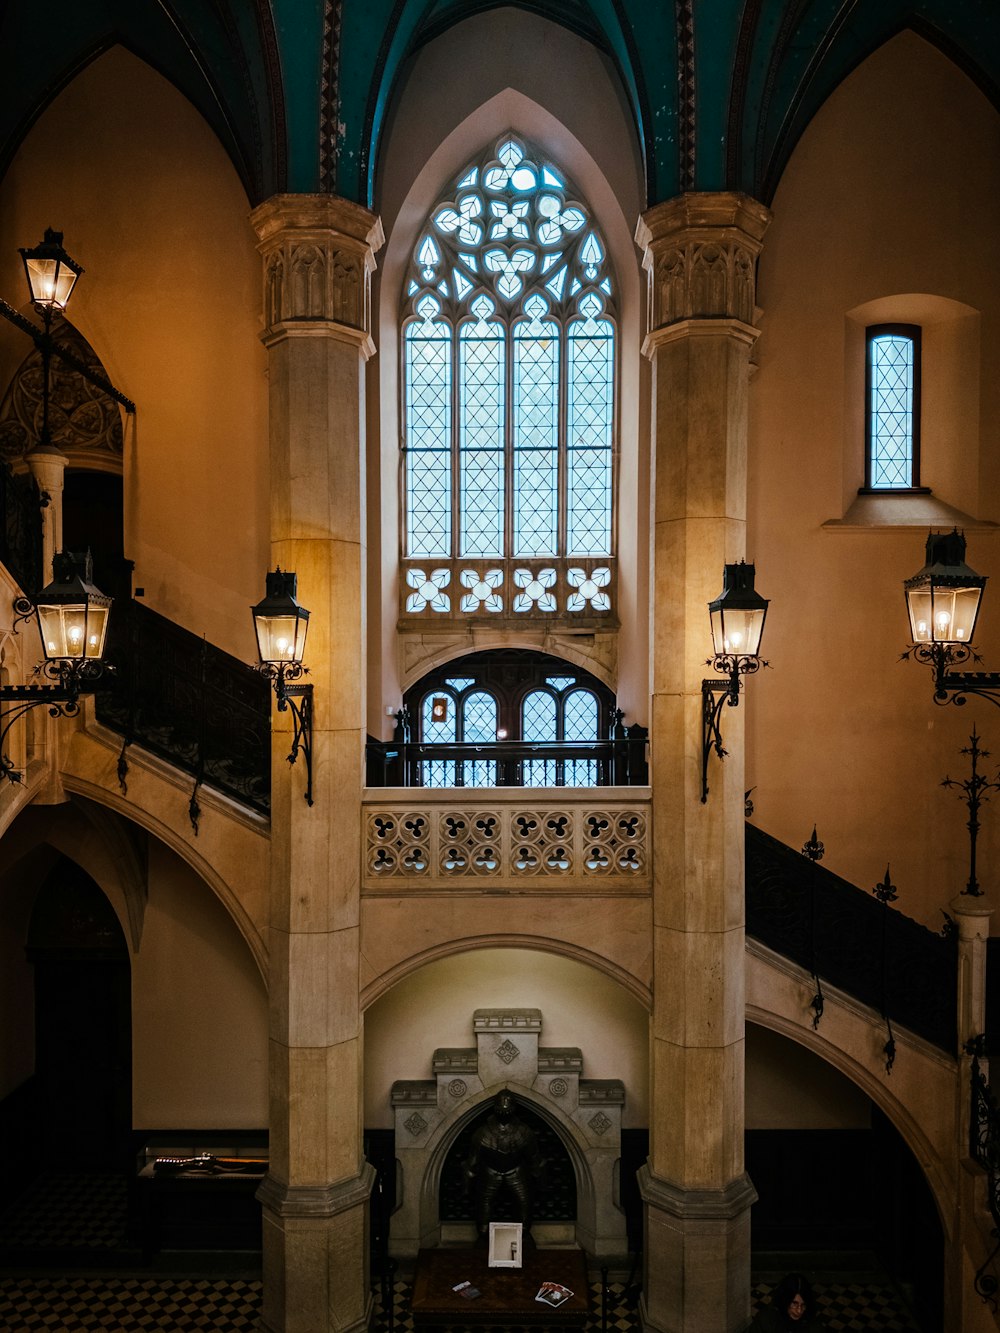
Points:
(512, 717)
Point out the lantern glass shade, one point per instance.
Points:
(72, 613)
(280, 622)
(737, 614)
(50, 272)
(943, 598)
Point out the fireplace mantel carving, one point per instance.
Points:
(585, 1113)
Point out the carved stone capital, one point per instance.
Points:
(700, 253)
(318, 256)
(317, 1200)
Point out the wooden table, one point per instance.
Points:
(508, 1294)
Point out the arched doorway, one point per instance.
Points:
(838, 1187)
(83, 1029)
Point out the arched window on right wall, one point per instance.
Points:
(892, 408)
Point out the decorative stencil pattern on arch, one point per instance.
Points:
(84, 422)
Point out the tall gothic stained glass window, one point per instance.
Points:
(509, 374)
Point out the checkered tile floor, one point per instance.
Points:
(861, 1303)
(147, 1305)
(80, 1221)
(69, 1304)
(80, 1211)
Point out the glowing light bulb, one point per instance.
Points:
(942, 619)
(960, 634)
(74, 634)
(921, 626)
(501, 733)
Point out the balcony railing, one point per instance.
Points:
(579, 840)
(619, 762)
(847, 938)
(187, 701)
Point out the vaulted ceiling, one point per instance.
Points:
(297, 91)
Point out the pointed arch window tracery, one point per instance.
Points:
(509, 349)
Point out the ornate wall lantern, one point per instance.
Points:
(737, 618)
(280, 625)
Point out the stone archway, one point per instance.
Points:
(585, 1113)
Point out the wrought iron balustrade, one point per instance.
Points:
(619, 762)
(829, 926)
(188, 702)
(21, 529)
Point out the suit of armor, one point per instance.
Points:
(504, 1155)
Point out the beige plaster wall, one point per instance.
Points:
(199, 1010)
(506, 69)
(170, 299)
(788, 1087)
(888, 209)
(433, 1008)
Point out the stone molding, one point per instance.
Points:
(317, 1200)
(700, 253)
(686, 329)
(696, 1205)
(318, 256)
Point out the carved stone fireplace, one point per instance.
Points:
(585, 1114)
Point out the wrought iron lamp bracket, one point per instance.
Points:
(24, 610)
(297, 700)
(62, 699)
(715, 695)
(954, 687)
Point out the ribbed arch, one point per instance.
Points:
(374, 38)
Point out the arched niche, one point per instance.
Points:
(83, 421)
(584, 1113)
(430, 1009)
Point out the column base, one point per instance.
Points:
(316, 1261)
(696, 1257)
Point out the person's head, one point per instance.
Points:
(503, 1105)
(793, 1296)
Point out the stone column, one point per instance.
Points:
(318, 256)
(700, 252)
(964, 1240)
(47, 464)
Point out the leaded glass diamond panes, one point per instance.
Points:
(536, 431)
(590, 413)
(538, 717)
(437, 772)
(509, 292)
(433, 731)
(891, 420)
(580, 716)
(482, 381)
(479, 715)
(427, 390)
